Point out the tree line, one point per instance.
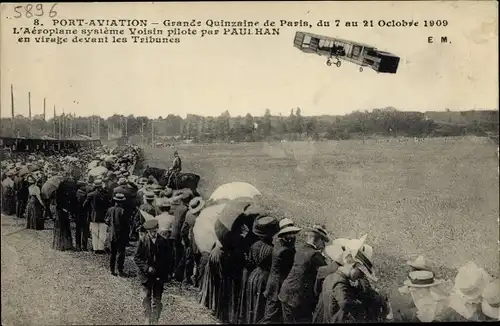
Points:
(386, 122)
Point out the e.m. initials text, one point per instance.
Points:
(442, 39)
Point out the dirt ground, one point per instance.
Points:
(41, 286)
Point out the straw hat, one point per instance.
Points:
(287, 227)
(164, 203)
(421, 279)
(420, 263)
(491, 300)
(265, 226)
(149, 195)
(98, 183)
(119, 197)
(470, 282)
(196, 204)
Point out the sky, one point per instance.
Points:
(247, 74)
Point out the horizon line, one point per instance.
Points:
(261, 115)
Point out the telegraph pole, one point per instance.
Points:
(152, 133)
(13, 114)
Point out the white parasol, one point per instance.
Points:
(97, 171)
(235, 190)
(203, 230)
(146, 215)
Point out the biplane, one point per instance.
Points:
(361, 54)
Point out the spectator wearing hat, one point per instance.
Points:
(149, 204)
(297, 296)
(129, 189)
(81, 218)
(260, 258)
(118, 224)
(490, 305)
(178, 209)
(192, 254)
(65, 202)
(466, 298)
(34, 209)
(112, 183)
(98, 203)
(341, 300)
(334, 254)
(165, 219)
(154, 265)
(282, 261)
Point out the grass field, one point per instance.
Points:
(437, 197)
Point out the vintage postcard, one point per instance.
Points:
(249, 162)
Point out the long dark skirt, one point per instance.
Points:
(62, 231)
(9, 201)
(255, 302)
(210, 289)
(34, 214)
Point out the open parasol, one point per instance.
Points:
(50, 186)
(92, 164)
(23, 171)
(97, 171)
(234, 190)
(146, 215)
(230, 220)
(203, 230)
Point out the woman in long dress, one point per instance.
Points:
(65, 193)
(260, 256)
(34, 208)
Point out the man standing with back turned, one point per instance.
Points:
(154, 263)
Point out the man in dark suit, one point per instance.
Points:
(98, 203)
(118, 223)
(297, 296)
(154, 261)
(283, 255)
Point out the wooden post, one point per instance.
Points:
(29, 108)
(13, 114)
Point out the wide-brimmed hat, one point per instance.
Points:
(149, 195)
(151, 224)
(421, 279)
(196, 204)
(470, 282)
(363, 255)
(265, 226)
(119, 197)
(98, 183)
(287, 227)
(335, 252)
(321, 231)
(420, 263)
(122, 181)
(491, 300)
(168, 192)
